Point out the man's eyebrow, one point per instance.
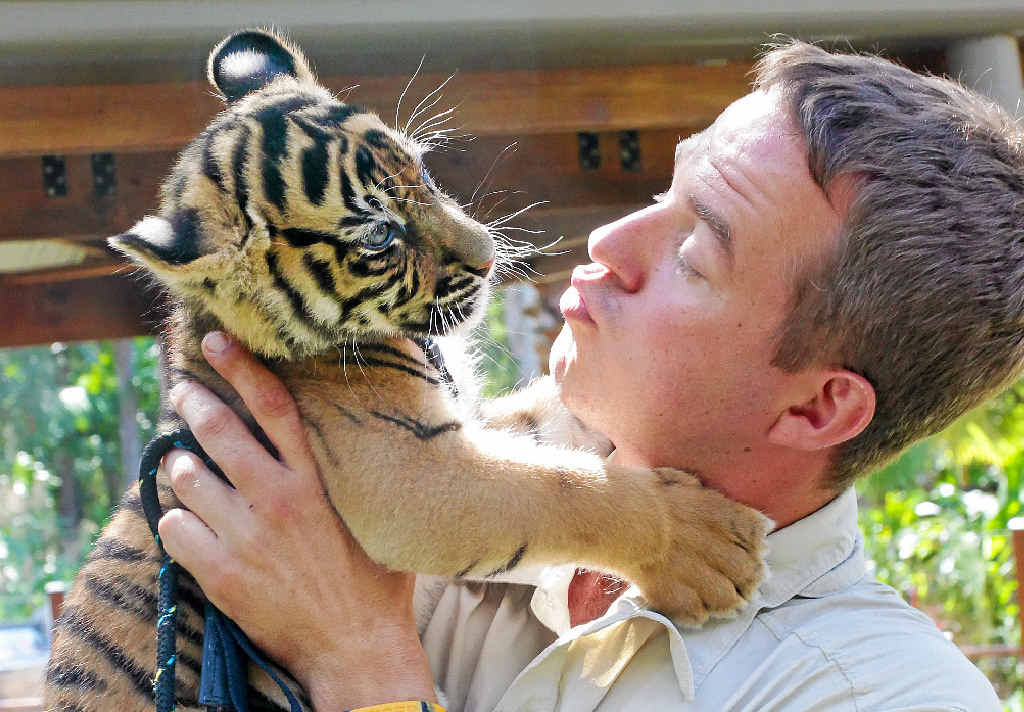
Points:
(719, 227)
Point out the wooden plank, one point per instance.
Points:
(542, 167)
(107, 307)
(27, 212)
(162, 116)
(85, 306)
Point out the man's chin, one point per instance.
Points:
(563, 351)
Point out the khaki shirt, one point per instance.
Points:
(819, 635)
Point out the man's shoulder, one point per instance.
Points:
(888, 652)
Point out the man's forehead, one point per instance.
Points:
(754, 128)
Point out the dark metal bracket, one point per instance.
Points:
(55, 176)
(590, 150)
(104, 177)
(629, 151)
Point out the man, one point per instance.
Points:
(836, 270)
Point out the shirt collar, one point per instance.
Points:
(812, 557)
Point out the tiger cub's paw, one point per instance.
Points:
(714, 559)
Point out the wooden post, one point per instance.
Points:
(1017, 530)
(55, 596)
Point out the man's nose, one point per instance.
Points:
(620, 246)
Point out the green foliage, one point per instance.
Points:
(500, 371)
(935, 521)
(60, 465)
(936, 525)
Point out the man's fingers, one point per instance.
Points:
(266, 397)
(199, 489)
(222, 434)
(189, 542)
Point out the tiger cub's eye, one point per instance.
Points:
(381, 235)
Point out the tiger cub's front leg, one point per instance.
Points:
(449, 498)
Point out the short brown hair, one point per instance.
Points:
(924, 294)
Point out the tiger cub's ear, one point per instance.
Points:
(173, 249)
(249, 60)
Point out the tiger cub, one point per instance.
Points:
(310, 230)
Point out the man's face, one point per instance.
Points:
(669, 333)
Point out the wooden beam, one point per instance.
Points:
(106, 307)
(541, 167)
(104, 302)
(41, 120)
(80, 215)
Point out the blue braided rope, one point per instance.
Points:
(224, 682)
(167, 579)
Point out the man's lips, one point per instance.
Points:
(573, 304)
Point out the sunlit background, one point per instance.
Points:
(573, 105)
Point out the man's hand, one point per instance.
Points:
(274, 555)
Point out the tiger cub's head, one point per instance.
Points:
(301, 222)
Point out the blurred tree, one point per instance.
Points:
(60, 458)
(935, 520)
(935, 524)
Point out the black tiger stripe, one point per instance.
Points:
(465, 299)
(73, 621)
(469, 296)
(315, 175)
(239, 159)
(366, 166)
(348, 414)
(273, 120)
(397, 353)
(131, 502)
(111, 548)
(406, 291)
(275, 139)
(340, 252)
(480, 272)
(398, 367)
(300, 237)
(319, 433)
(298, 303)
(417, 327)
(334, 115)
(348, 195)
(511, 564)
(378, 139)
(421, 430)
(350, 221)
(369, 268)
(71, 675)
(360, 298)
(415, 281)
(211, 168)
(118, 592)
(185, 373)
(462, 574)
(449, 285)
(321, 272)
(189, 594)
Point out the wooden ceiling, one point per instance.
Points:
(595, 143)
(138, 128)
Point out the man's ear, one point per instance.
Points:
(839, 406)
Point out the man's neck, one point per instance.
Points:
(590, 595)
(784, 484)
